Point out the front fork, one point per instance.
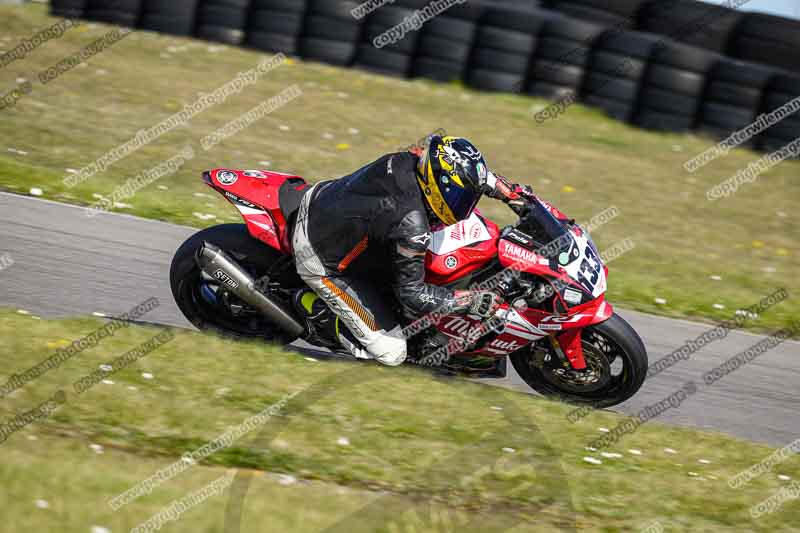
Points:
(568, 347)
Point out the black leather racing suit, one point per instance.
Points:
(374, 224)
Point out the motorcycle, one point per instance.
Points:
(560, 334)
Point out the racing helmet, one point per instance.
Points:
(451, 174)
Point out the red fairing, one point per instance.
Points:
(445, 268)
(255, 194)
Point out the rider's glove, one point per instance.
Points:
(482, 304)
(515, 195)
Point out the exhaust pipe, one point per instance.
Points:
(220, 266)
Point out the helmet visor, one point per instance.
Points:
(461, 200)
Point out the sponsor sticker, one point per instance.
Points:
(226, 177)
(226, 279)
(572, 296)
(254, 174)
(451, 261)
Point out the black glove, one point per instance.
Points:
(483, 304)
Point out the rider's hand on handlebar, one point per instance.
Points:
(483, 304)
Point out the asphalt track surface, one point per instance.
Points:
(67, 264)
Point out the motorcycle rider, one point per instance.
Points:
(347, 229)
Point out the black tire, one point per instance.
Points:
(594, 15)
(620, 89)
(733, 94)
(631, 44)
(295, 6)
(166, 24)
(333, 8)
(656, 120)
(669, 102)
(187, 282)
(438, 69)
(221, 34)
(771, 28)
(328, 51)
(718, 117)
(120, 12)
(563, 52)
(684, 57)
(570, 29)
(621, 342)
(626, 8)
(120, 18)
(273, 42)
(781, 55)
(382, 20)
(557, 74)
(504, 40)
(332, 29)
(488, 80)
(509, 27)
(68, 8)
(383, 61)
(549, 90)
(673, 79)
(485, 58)
(617, 65)
(280, 22)
(613, 108)
(173, 8)
(699, 24)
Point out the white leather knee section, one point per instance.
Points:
(390, 348)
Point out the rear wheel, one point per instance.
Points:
(613, 352)
(209, 305)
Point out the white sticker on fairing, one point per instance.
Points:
(460, 234)
(587, 268)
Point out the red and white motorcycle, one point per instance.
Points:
(560, 334)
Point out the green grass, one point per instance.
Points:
(582, 162)
(423, 451)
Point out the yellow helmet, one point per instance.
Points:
(451, 174)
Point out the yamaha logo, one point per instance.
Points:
(451, 262)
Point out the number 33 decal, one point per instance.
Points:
(589, 272)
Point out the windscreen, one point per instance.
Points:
(550, 235)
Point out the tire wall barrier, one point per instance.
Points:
(669, 65)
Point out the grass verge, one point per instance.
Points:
(358, 446)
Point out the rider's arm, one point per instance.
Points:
(515, 195)
(407, 242)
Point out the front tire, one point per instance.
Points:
(612, 348)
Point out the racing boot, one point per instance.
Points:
(324, 327)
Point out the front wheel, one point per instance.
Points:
(613, 352)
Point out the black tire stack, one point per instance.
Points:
(395, 59)
(223, 21)
(783, 88)
(562, 57)
(673, 87)
(445, 43)
(617, 67)
(503, 50)
(619, 14)
(689, 21)
(733, 97)
(275, 25)
(770, 40)
(175, 17)
(120, 12)
(68, 8)
(330, 32)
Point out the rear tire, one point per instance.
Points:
(206, 304)
(618, 340)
